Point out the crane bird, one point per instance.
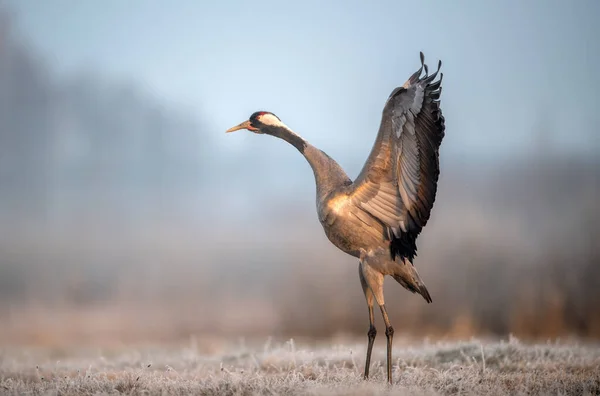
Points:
(378, 217)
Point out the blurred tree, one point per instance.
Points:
(87, 142)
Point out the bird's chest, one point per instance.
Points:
(342, 227)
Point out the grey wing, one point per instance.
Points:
(398, 183)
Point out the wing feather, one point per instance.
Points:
(398, 183)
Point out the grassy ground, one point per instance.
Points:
(498, 368)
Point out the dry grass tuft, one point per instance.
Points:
(428, 368)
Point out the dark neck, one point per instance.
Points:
(288, 136)
(328, 174)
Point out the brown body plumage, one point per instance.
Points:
(378, 217)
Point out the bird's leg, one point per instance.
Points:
(374, 280)
(371, 334)
(372, 330)
(389, 333)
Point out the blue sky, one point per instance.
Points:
(326, 68)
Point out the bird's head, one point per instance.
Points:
(268, 123)
(259, 122)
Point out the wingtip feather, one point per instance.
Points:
(425, 293)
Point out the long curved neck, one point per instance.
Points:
(329, 175)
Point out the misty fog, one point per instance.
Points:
(119, 214)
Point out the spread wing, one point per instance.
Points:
(398, 183)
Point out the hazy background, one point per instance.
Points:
(128, 215)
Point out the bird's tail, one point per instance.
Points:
(408, 276)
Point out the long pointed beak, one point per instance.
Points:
(243, 125)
